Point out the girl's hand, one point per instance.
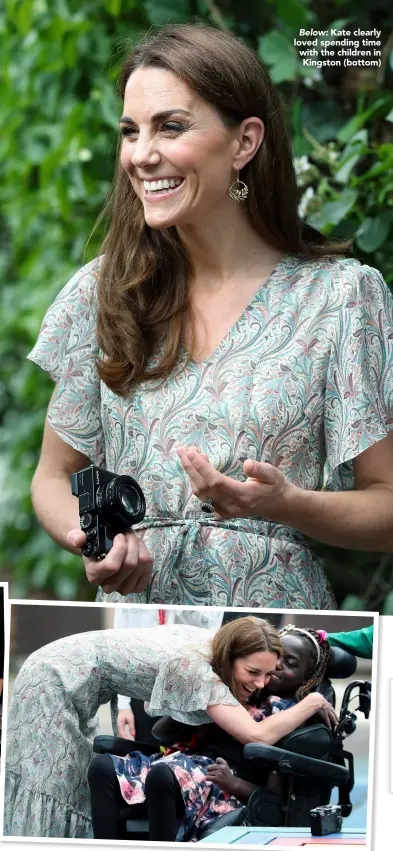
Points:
(220, 774)
(323, 708)
(266, 492)
(127, 567)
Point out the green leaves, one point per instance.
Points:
(277, 52)
(333, 212)
(59, 116)
(373, 232)
(167, 11)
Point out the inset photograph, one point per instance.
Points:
(188, 725)
(3, 597)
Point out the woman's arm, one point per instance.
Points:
(127, 567)
(358, 519)
(53, 502)
(236, 721)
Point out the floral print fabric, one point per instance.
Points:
(304, 379)
(52, 719)
(204, 802)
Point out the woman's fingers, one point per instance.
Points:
(76, 538)
(209, 483)
(126, 568)
(135, 572)
(261, 471)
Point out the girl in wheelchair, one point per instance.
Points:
(186, 790)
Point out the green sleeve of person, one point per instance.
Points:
(359, 642)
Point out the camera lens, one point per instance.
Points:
(129, 499)
(121, 502)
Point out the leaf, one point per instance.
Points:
(353, 603)
(167, 12)
(387, 608)
(373, 232)
(344, 171)
(294, 13)
(333, 212)
(356, 123)
(277, 51)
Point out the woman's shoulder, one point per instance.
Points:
(336, 281)
(344, 272)
(69, 325)
(81, 288)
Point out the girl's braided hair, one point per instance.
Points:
(319, 645)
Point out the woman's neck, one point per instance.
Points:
(224, 247)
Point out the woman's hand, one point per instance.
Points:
(127, 567)
(266, 492)
(126, 723)
(322, 708)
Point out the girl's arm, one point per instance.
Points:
(236, 721)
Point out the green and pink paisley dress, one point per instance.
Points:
(304, 380)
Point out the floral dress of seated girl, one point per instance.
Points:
(203, 801)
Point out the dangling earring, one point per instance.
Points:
(239, 190)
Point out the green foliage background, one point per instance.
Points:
(59, 118)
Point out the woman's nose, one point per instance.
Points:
(145, 152)
(261, 681)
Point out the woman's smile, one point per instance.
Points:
(158, 189)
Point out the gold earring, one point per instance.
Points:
(238, 190)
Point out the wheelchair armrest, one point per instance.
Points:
(288, 762)
(121, 747)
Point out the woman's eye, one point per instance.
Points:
(128, 132)
(173, 127)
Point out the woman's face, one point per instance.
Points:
(253, 672)
(292, 668)
(177, 152)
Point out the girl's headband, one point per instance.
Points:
(321, 632)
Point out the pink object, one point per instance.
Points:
(322, 634)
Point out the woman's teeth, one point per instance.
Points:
(160, 185)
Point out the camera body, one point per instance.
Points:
(108, 504)
(326, 820)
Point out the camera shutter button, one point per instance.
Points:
(91, 533)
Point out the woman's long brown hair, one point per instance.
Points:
(240, 638)
(143, 281)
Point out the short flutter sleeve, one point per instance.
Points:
(67, 349)
(185, 686)
(358, 408)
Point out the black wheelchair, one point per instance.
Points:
(295, 776)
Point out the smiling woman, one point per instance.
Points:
(220, 351)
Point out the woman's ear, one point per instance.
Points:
(251, 133)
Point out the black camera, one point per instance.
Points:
(108, 504)
(326, 820)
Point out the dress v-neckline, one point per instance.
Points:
(240, 318)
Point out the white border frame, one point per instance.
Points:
(140, 845)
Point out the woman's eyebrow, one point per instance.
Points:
(125, 119)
